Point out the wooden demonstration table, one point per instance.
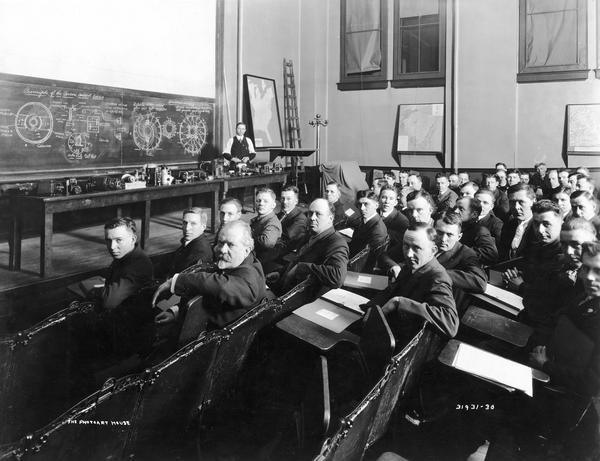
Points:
(235, 182)
(46, 207)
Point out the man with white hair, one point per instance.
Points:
(235, 287)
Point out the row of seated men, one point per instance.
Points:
(432, 257)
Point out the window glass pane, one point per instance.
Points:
(551, 39)
(410, 8)
(362, 15)
(363, 52)
(430, 48)
(409, 52)
(541, 6)
(430, 19)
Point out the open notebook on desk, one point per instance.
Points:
(493, 368)
(335, 310)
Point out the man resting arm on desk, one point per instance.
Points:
(234, 288)
(423, 288)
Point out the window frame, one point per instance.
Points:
(558, 72)
(419, 79)
(373, 81)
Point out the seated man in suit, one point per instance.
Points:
(420, 209)
(422, 290)
(468, 189)
(460, 261)
(454, 181)
(236, 286)
(266, 228)
(573, 234)
(487, 218)
(115, 330)
(540, 280)
(324, 258)
(516, 232)
(346, 214)
(294, 223)
(474, 235)
(195, 246)
(230, 209)
(572, 360)
(393, 219)
(371, 230)
(584, 205)
(501, 206)
(445, 199)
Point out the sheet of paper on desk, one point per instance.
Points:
(493, 367)
(346, 298)
(348, 232)
(504, 296)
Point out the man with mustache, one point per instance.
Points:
(236, 286)
(324, 259)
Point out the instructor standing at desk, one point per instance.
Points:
(239, 148)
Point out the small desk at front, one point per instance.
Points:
(46, 207)
(236, 182)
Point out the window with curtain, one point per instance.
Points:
(552, 40)
(363, 45)
(419, 43)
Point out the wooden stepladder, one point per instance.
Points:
(292, 124)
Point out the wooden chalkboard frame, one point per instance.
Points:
(41, 173)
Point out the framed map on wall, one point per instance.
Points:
(420, 128)
(583, 129)
(262, 112)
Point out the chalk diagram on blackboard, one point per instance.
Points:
(169, 128)
(147, 133)
(192, 133)
(34, 123)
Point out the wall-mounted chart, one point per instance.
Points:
(47, 125)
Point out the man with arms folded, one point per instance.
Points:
(422, 289)
(324, 258)
(235, 287)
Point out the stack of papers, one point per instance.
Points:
(348, 232)
(494, 368)
(505, 297)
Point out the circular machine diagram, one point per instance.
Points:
(169, 128)
(34, 123)
(146, 132)
(192, 133)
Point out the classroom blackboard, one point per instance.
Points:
(48, 126)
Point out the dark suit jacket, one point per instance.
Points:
(481, 241)
(372, 233)
(294, 229)
(227, 293)
(185, 256)
(324, 257)
(508, 233)
(494, 225)
(126, 277)
(501, 206)
(346, 215)
(446, 201)
(427, 293)
(396, 224)
(464, 268)
(266, 231)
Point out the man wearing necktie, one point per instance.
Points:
(324, 259)
(516, 232)
(239, 148)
